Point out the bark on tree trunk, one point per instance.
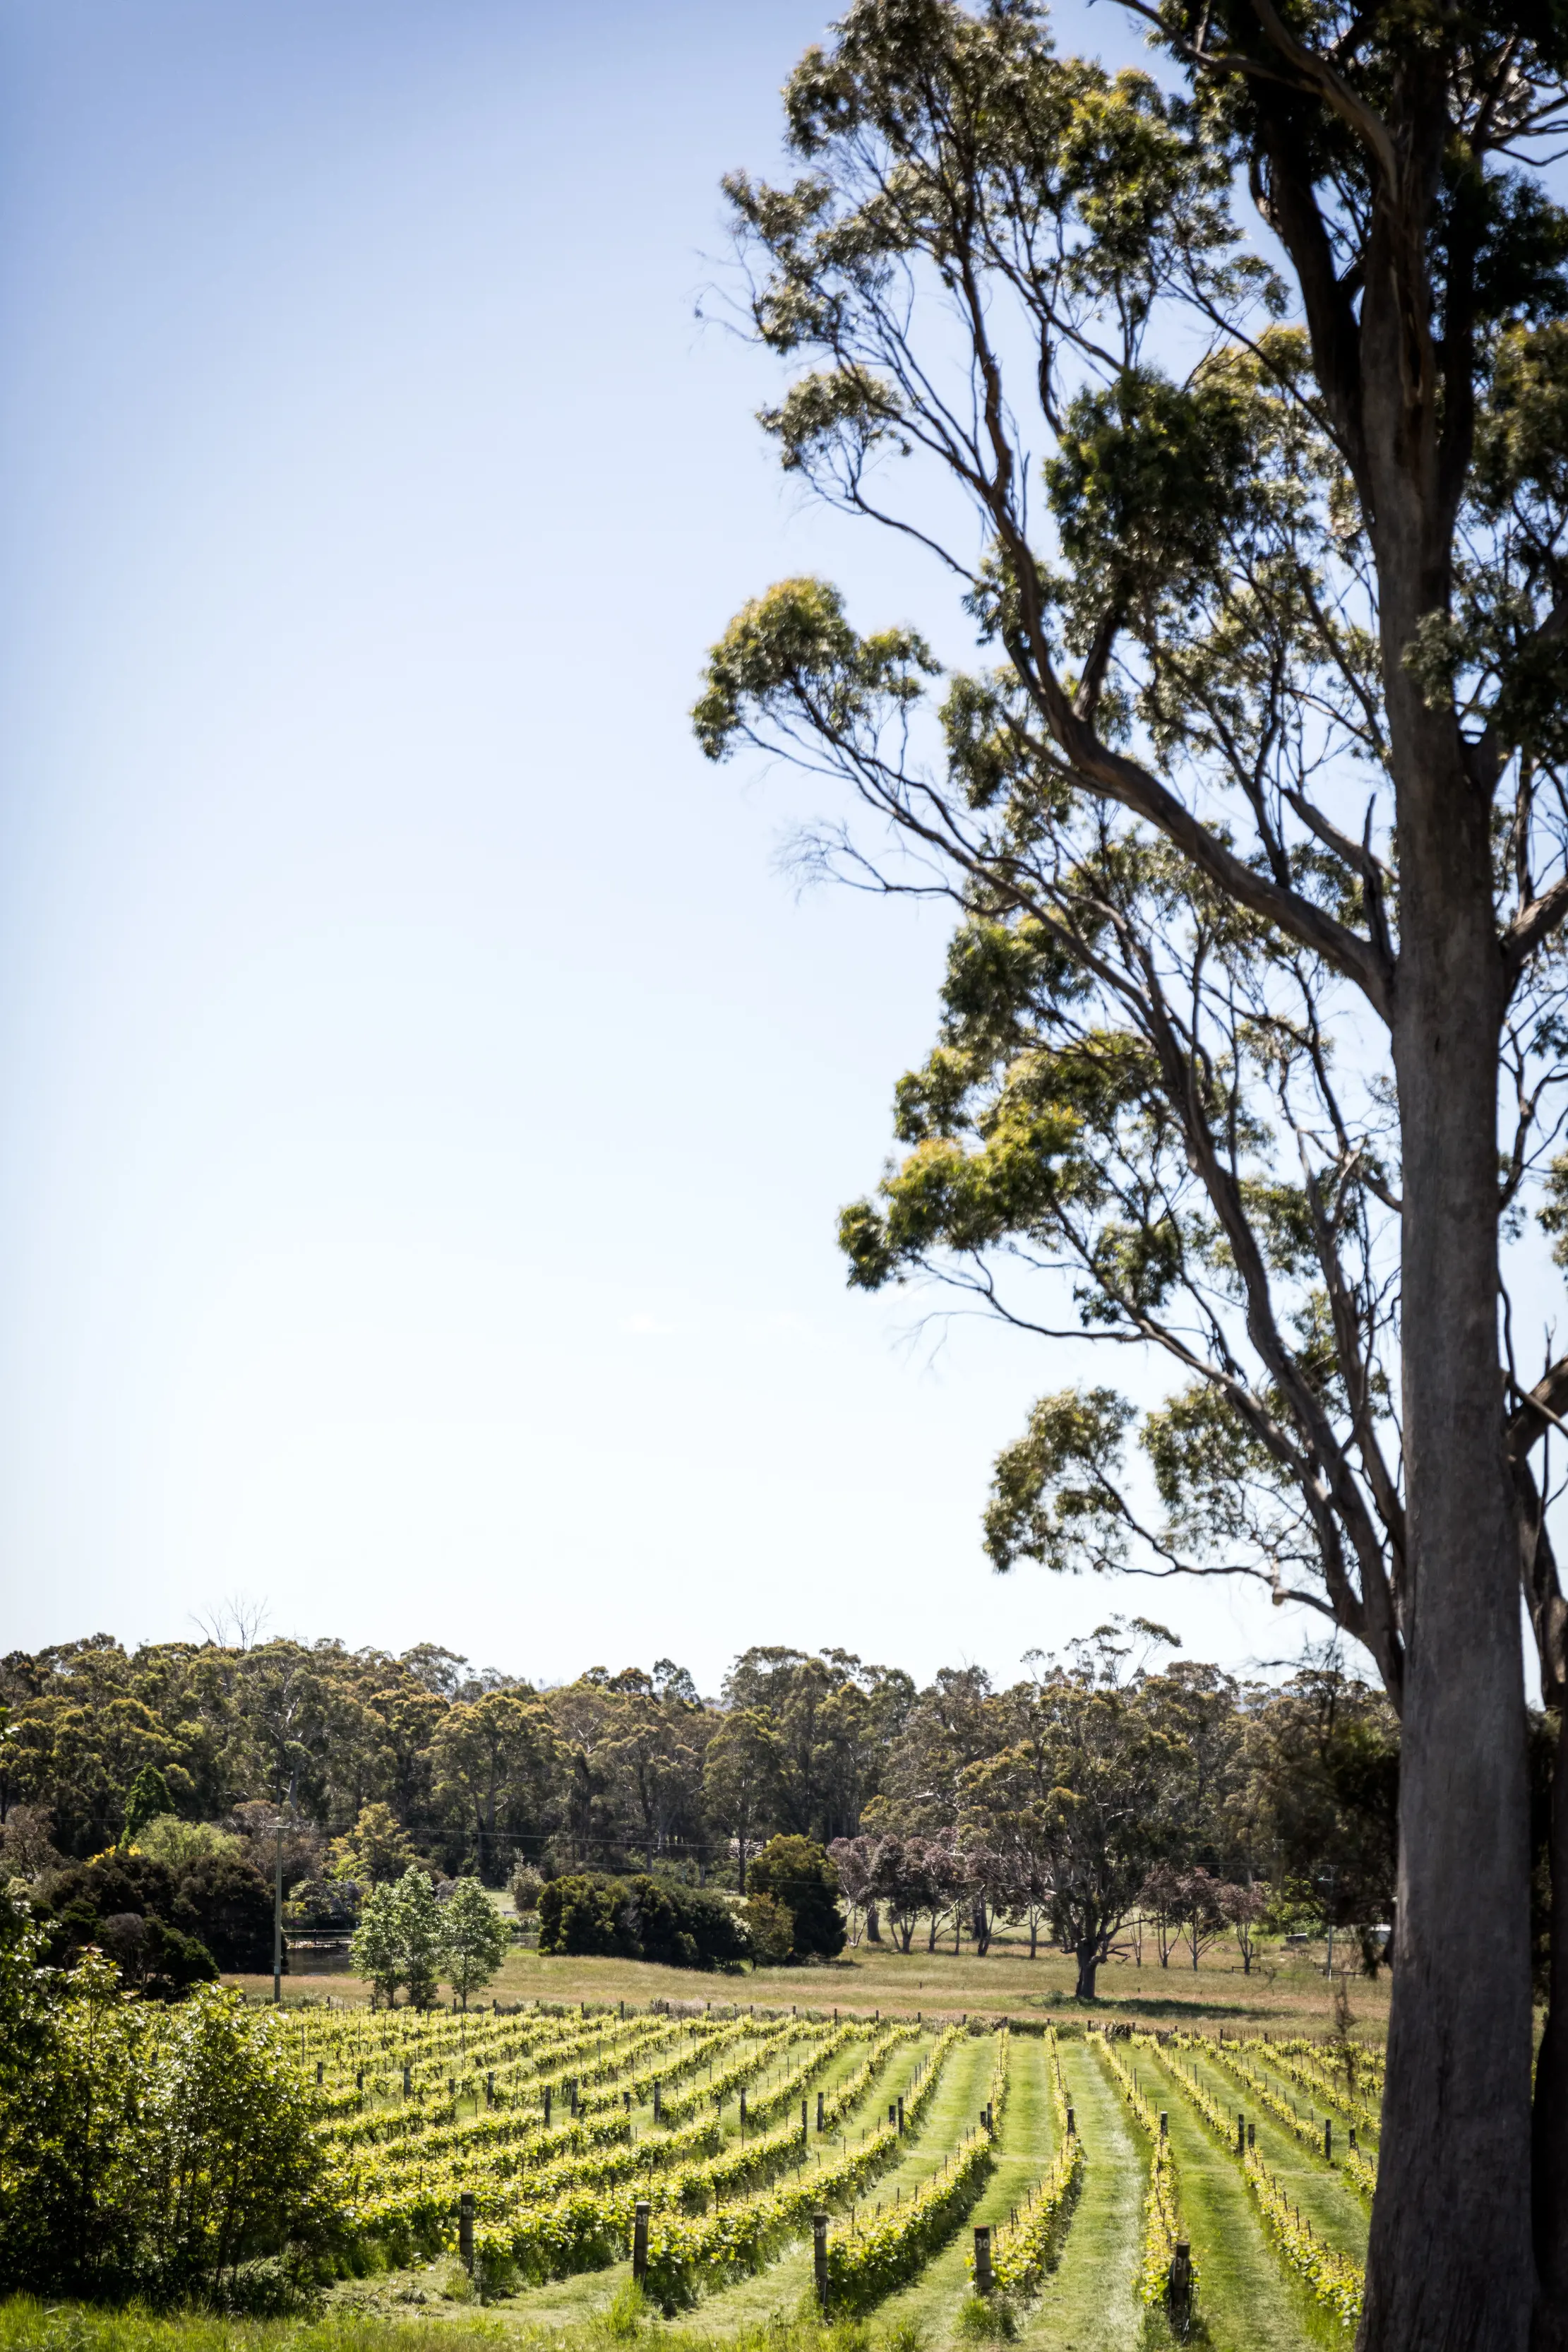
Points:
(1450, 2262)
(1549, 2179)
(1088, 1963)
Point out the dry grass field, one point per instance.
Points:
(1288, 1990)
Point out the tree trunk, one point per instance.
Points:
(872, 1924)
(1087, 1957)
(1450, 2262)
(1549, 2183)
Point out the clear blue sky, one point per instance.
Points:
(426, 1106)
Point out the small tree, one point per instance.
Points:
(235, 2167)
(1159, 1901)
(1203, 1915)
(418, 1928)
(376, 1945)
(1245, 1907)
(474, 1938)
(853, 1859)
(797, 1873)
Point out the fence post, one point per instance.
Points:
(900, 2104)
(1071, 2123)
(1240, 2133)
(1178, 2288)
(466, 2231)
(407, 2074)
(820, 2259)
(1328, 2140)
(984, 2282)
(639, 2240)
(547, 2106)
(1164, 2123)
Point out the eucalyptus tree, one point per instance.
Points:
(1254, 820)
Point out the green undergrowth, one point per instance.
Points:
(26, 2326)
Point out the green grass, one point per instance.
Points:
(621, 2327)
(1089, 2302)
(1246, 2300)
(784, 2288)
(1026, 2142)
(1336, 2210)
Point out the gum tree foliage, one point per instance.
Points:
(1084, 1788)
(1253, 817)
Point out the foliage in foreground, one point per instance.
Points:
(170, 2153)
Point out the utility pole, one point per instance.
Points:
(277, 1918)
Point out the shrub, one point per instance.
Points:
(771, 1929)
(126, 1904)
(799, 1873)
(171, 2154)
(216, 1901)
(640, 1919)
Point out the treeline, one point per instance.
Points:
(1065, 1798)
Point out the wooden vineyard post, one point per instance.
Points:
(1328, 2140)
(1178, 2291)
(984, 2281)
(1240, 2133)
(1071, 2123)
(900, 2105)
(466, 2231)
(547, 2106)
(1164, 2123)
(640, 2212)
(820, 2259)
(821, 2111)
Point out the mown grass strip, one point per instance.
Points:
(1335, 2280)
(1247, 2305)
(1332, 2205)
(1089, 2302)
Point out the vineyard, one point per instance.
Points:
(719, 2154)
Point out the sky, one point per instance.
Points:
(427, 1100)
